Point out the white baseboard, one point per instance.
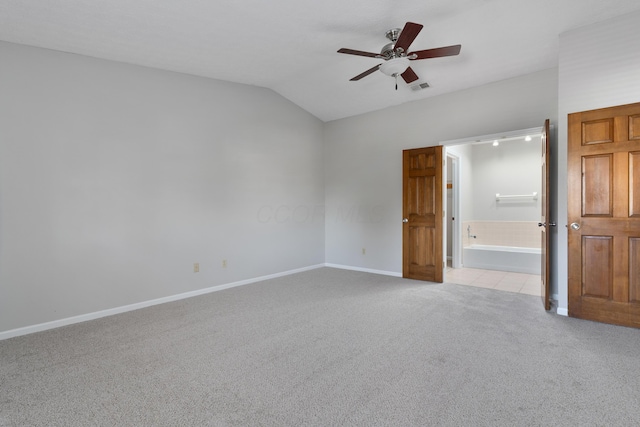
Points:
(560, 310)
(365, 270)
(117, 310)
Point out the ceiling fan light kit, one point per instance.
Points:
(397, 56)
(395, 66)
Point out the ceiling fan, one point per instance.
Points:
(396, 55)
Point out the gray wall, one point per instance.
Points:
(363, 159)
(599, 67)
(115, 179)
(513, 167)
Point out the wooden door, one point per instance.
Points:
(604, 215)
(545, 220)
(422, 214)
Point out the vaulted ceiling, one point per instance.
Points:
(290, 46)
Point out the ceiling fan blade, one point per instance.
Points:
(359, 53)
(409, 76)
(408, 35)
(366, 73)
(437, 52)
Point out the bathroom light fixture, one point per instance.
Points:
(520, 137)
(496, 143)
(527, 138)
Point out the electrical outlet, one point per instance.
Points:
(364, 251)
(196, 267)
(224, 263)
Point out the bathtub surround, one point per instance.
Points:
(524, 234)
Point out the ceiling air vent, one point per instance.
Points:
(420, 86)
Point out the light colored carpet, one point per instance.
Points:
(327, 347)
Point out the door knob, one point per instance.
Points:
(405, 219)
(552, 224)
(575, 226)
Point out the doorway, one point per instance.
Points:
(493, 202)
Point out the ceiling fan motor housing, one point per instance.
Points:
(389, 51)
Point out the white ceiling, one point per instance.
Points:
(290, 46)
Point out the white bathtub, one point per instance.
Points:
(505, 258)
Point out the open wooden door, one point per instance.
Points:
(545, 221)
(604, 213)
(422, 211)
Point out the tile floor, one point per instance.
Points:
(499, 280)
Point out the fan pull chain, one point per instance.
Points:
(396, 74)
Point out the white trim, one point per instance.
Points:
(560, 311)
(456, 240)
(117, 310)
(365, 270)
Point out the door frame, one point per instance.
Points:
(456, 230)
(466, 141)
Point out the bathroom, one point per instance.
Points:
(494, 202)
